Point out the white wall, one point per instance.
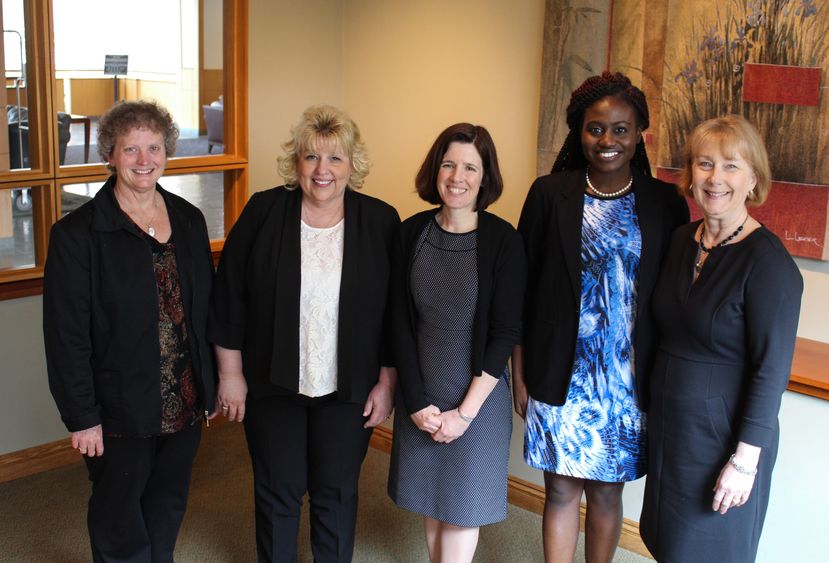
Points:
(28, 416)
(814, 309)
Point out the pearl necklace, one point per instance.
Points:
(609, 194)
(705, 250)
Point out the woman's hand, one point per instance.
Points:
(733, 487)
(233, 389)
(89, 442)
(520, 396)
(452, 427)
(427, 419)
(380, 400)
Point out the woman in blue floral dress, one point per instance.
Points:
(595, 230)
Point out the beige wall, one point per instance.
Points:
(295, 61)
(413, 68)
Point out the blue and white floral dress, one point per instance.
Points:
(599, 433)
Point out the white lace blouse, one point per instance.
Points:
(321, 252)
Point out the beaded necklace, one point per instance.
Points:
(705, 250)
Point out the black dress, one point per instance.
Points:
(724, 361)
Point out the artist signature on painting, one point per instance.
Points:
(797, 237)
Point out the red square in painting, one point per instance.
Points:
(781, 84)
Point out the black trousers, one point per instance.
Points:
(298, 444)
(139, 495)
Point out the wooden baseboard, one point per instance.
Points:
(37, 459)
(530, 496)
(381, 439)
(45, 457)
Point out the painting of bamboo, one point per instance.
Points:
(572, 31)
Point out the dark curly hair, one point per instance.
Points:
(571, 155)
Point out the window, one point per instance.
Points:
(194, 64)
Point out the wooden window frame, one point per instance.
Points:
(45, 171)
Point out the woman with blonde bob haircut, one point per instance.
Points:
(735, 136)
(298, 321)
(726, 307)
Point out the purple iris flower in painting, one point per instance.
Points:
(690, 73)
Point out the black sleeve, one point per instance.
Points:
(510, 278)
(405, 344)
(67, 328)
(531, 226)
(387, 356)
(681, 215)
(772, 309)
(229, 299)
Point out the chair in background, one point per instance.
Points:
(214, 118)
(18, 120)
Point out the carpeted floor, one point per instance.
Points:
(42, 517)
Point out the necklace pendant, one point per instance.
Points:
(150, 231)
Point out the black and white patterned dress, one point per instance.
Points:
(464, 482)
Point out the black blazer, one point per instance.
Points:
(502, 272)
(550, 223)
(255, 303)
(100, 314)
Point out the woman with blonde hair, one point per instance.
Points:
(298, 320)
(726, 305)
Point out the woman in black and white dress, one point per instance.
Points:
(457, 294)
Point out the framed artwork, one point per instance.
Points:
(763, 59)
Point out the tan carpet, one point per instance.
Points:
(42, 518)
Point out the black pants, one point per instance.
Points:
(139, 495)
(296, 445)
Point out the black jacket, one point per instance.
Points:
(502, 272)
(255, 304)
(551, 223)
(100, 314)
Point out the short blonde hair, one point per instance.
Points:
(734, 135)
(324, 123)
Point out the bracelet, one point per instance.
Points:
(466, 419)
(742, 469)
